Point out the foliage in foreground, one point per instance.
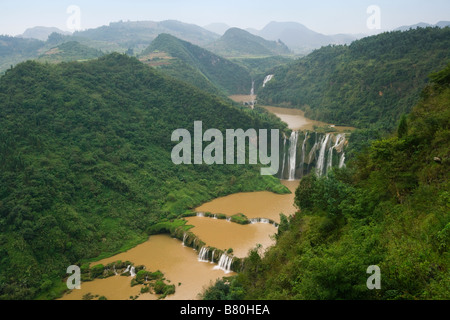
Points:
(390, 208)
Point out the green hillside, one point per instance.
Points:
(85, 152)
(237, 43)
(69, 51)
(389, 208)
(372, 82)
(173, 56)
(139, 34)
(14, 50)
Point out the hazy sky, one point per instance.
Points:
(325, 16)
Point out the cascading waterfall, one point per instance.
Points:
(321, 155)
(200, 214)
(293, 155)
(203, 254)
(212, 256)
(184, 239)
(302, 162)
(267, 79)
(321, 161)
(284, 157)
(340, 139)
(342, 161)
(225, 263)
(133, 271)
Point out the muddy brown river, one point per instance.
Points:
(180, 264)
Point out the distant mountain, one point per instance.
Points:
(42, 33)
(14, 50)
(195, 65)
(237, 43)
(70, 51)
(440, 24)
(371, 82)
(443, 24)
(219, 28)
(299, 38)
(139, 34)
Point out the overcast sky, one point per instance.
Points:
(324, 16)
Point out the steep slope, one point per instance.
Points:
(85, 152)
(237, 42)
(222, 73)
(390, 208)
(372, 82)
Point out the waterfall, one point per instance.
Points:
(184, 239)
(340, 141)
(252, 91)
(293, 155)
(321, 161)
(200, 214)
(225, 263)
(322, 155)
(133, 272)
(212, 256)
(203, 254)
(342, 161)
(267, 79)
(115, 272)
(284, 158)
(228, 219)
(127, 269)
(302, 163)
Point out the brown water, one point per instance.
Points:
(296, 120)
(223, 235)
(180, 264)
(161, 252)
(264, 204)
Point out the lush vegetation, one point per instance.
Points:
(369, 83)
(14, 50)
(86, 164)
(390, 207)
(238, 43)
(70, 51)
(139, 34)
(195, 65)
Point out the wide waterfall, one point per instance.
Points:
(225, 263)
(307, 151)
(203, 254)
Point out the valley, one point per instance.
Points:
(103, 166)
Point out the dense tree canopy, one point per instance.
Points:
(86, 164)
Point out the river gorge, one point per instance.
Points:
(191, 271)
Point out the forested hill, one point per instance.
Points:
(371, 82)
(389, 208)
(69, 51)
(237, 43)
(190, 63)
(86, 164)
